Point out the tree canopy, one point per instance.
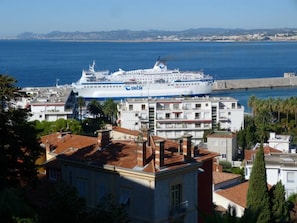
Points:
(258, 200)
(19, 144)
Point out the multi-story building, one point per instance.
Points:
(223, 143)
(157, 180)
(172, 118)
(51, 104)
(279, 167)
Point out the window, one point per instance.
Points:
(101, 191)
(130, 107)
(290, 177)
(198, 125)
(53, 174)
(142, 107)
(176, 195)
(125, 196)
(197, 115)
(223, 156)
(167, 115)
(82, 187)
(233, 105)
(197, 106)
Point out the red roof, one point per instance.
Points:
(267, 150)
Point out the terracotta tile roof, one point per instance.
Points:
(61, 143)
(123, 154)
(125, 131)
(267, 150)
(219, 177)
(236, 194)
(221, 134)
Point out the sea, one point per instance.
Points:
(42, 63)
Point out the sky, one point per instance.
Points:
(44, 16)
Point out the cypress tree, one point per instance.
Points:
(258, 201)
(280, 212)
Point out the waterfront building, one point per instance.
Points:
(171, 118)
(51, 103)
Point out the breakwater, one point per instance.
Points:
(289, 80)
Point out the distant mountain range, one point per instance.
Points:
(128, 35)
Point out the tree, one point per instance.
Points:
(19, 145)
(257, 196)
(279, 207)
(65, 205)
(110, 109)
(108, 210)
(95, 109)
(81, 103)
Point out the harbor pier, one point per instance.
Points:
(289, 80)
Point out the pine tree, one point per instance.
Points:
(258, 201)
(279, 208)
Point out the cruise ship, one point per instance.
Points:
(156, 82)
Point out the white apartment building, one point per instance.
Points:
(52, 103)
(171, 118)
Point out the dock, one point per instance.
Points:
(288, 80)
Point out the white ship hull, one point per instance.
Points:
(155, 82)
(121, 91)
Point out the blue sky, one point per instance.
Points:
(44, 16)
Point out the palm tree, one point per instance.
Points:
(81, 103)
(95, 109)
(251, 103)
(110, 109)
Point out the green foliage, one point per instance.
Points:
(19, 146)
(226, 165)
(108, 210)
(46, 127)
(13, 207)
(110, 110)
(279, 208)
(257, 196)
(65, 205)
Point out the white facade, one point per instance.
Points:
(279, 167)
(224, 143)
(51, 104)
(280, 142)
(172, 118)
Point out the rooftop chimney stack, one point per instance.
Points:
(141, 153)
(187, 147)
(103, 138)
(159, 153)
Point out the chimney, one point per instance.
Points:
(141, 153)
(187, 147)
(159, 153)
(103, 138)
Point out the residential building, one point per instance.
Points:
(172, 118)
(235, 195)
(51, 103)
(61, 142)
(157, 180)
(281, 142)
(279, 167)
(223, 143)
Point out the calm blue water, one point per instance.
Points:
(41, 63)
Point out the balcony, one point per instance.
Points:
(179, 209)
